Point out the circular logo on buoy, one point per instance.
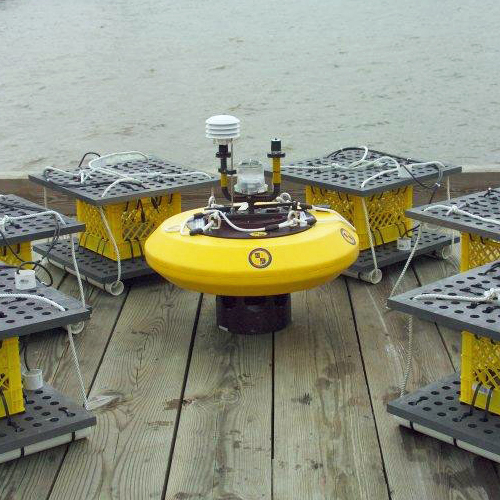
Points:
(258, 234)
(348, 236)
(259, 258)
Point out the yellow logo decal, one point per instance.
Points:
(348, 236)
(259, 258)
(258, 234)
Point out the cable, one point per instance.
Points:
(409, 357)
(30, 296)
(370, 236)
(77, 367)
(408, 261)
(113, 242)
(6, 408)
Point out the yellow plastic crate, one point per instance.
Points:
(386, 212)
(477, 251)
(10, 376)
(480, 355)
(480, 364)
(22, 249)
(130, 222)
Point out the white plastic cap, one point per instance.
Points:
(222, 128)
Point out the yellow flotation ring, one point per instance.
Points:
(256, 265)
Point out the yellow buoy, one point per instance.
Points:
(255, 251)
(256, 265)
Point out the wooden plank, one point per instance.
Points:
(223, 446)
(326, 443)
(417, 466)
(144, 365)
(32, 477)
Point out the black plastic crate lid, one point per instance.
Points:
(34, 228)
(20, 316)
(484, 204)
(437, 406)
(349, 181)
(48, 414)
(91, 193)
(93, 265)
(481, 319)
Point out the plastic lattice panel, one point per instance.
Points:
(389, 254)
(34, 228)
(91, 192)
(349, 181)
(437, 407)
(484, 204)
(48, 414)
(95, 266)
(22, 316)
(479, 318)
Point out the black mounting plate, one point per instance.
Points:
(92, 265)
(91, 193)
(349, 181)
(481, 319)
(437, 407)
(34, 228)
(48, 414)
(388, 253)
(484, 204)
(24, 316)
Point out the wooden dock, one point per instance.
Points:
(197, 413)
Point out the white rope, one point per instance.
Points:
(370, 237)
(118, 181)
(362, 162)
(77, 367)
(113, 242)
(454, 209)
(31, 296)
(409, 358)
(408, 261)
(491, 295)
(379, 174)
(45, 202)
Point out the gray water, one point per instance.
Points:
(414, 77)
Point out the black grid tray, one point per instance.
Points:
(388, 253)
(24, 316)
(123, 192)
(95, 266)
(48, 414)
(484, 204)
(438, 407)
(34, 228)
(350, 181)
(481, 319)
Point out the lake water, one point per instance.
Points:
(418, 78)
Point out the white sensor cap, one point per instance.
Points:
(222, 128)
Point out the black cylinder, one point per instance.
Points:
(254, 315)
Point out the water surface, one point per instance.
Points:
(419, 78)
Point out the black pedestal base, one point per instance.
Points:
(254, 315)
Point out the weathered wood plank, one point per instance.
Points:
(223, 445)
(32, 477)
(144, 365)
(417, 466)
(325, 438)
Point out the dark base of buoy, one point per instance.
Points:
(254, 315)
